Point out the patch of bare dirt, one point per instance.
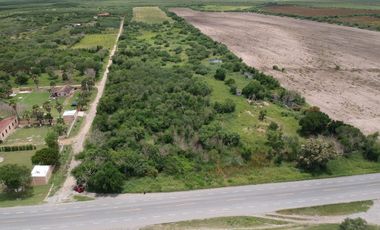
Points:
(336, 68)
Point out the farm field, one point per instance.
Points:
(325, 67)
(149, 15)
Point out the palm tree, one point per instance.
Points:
(27, 116)
(35, 80)
(58, 107)
(47, 106)
(13, 104)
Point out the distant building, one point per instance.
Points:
(41, 174)
(64, 91)
(215, 61)
(104, 14)
(69, 116)
(7, 126)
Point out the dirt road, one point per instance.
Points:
(336, 68)
(78, 141)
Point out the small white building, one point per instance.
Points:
(69, 116)
(41, 174)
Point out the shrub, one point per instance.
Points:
(354, 224)
(229, 82)
(220, 74)
(262, 114)
(315, 155)
(107, 179)
(314, 122)
(351, 138)
(254, 90)
(228, 106)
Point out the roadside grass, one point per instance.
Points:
(77, 126)
(93, 40)
(24, 136)
(18, 157)
(83, 198)
(222, 223)
(35, 196)
(149, 15)
(60, 173)
(331, 209)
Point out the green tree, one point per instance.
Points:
(46, 156)
(51, 140)
(16, 178)
(47, 106)
(220, 74)
(59, 107)
(314, 122)
(107, 179)
(27, 115)
(315, 155)
(354, 224)
(254, 90)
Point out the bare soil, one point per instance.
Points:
(310, 53)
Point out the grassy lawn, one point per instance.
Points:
(36, 196)
(17, 157)
(331, 209)
(23, 136)
(27, 100)
(221, 223)
(93, 40)
(149, 15)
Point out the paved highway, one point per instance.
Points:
(136, 210)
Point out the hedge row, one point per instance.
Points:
(17, 148)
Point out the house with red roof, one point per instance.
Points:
(7, 126)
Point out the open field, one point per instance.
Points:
(94, 40)
(149, 15)
(332, 66)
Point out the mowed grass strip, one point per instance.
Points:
(149, 15)
(331, 209)
(93, 40)
(221, 223)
